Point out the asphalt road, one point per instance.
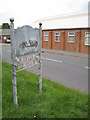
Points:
(67, 70)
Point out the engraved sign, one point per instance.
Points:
(27, 60)
(27, 40)
(26, 44)
(29, 44)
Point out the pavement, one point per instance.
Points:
(67, 53)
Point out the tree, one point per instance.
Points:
(5, 26)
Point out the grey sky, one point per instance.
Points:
(27, 11)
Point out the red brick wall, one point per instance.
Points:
(2, 38)
(47, 44)
(83, 47)
(68, 45)
(58, 45)
(77, 46)
(77, 40)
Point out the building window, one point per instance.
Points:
(87, 38)
(57, 36)
(46, 36)
(71, 37)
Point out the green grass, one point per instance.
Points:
(56, 100)
(0, 90)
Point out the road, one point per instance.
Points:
(67, 70)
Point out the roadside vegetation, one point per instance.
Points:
(0, 90)
(56, 100)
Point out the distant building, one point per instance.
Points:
(66, 32)
(4, 35)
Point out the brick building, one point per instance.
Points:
(66, 32)
(4, 35)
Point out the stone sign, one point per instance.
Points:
(26, 45)
(27, 60)
(27, 40)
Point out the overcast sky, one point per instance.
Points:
(25, 12)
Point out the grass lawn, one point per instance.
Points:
(0, 90)
(56, 100)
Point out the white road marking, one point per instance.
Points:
(87, 67)
(52, 60)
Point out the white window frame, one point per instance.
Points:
(45, 36)
(85, 38)
(57, 36)
(71, 36)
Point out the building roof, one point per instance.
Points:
(73, 20)
(4, 31)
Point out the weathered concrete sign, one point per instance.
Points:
(26, 60)
(26, 45)
(27, 40)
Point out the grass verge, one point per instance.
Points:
(0, 90)
(56, 100)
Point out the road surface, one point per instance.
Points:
(67, 70)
